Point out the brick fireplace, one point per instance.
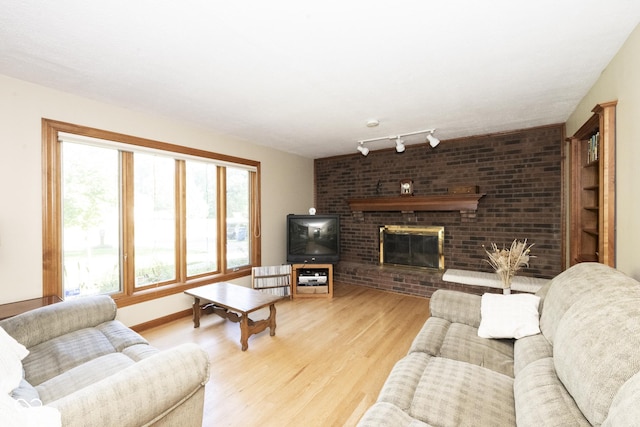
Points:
(519, 173)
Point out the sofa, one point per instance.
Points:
(576, 363)
(85, 368)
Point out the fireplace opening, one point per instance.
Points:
(412, 246)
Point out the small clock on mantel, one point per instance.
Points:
(406, 187)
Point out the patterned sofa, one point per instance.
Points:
(97, 372)
(581, 370)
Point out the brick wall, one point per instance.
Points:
(520, 173)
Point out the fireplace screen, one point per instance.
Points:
(411, 246)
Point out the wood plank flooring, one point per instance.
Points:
(325, 366)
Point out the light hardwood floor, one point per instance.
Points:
(324, 367)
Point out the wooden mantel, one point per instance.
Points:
(441, 202)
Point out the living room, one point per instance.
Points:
(289, 182)
(26, 104)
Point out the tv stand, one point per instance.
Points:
(312, 280)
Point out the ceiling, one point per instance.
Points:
(304, 77)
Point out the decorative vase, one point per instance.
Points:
(505, 278)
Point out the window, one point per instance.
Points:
(140, 219)
(237, 217)
(154, 219)
(90, 208)
(202, 196)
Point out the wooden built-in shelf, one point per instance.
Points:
(592, 188)
(587, 258)
(592, 231)
(442, 202)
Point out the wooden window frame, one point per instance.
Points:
(52, 278)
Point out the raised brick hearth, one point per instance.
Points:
(520, 173)
(399, 279)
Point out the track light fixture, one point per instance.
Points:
(433, 141)
(362, 149)
(400, 146)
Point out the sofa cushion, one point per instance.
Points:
(384, 414)
(81, 376)
(401, 383)
(596, 346)
(119, 335)
(444, 392)
(45, 323)
(463, 344)
(624, 410)
(541, 399)
(529, 349)
(564, 290)
(439, 337)
(133, 396)
(452, 393)
(509, 316)
(431, 336)
(456, 307)
(53, 357)
(140, 351)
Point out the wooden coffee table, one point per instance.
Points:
(235, 302)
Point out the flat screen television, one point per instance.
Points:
(313, 239)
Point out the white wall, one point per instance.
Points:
(621, 81)
(287, 182)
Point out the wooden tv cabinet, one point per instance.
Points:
(311, 291)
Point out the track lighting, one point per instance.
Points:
(400, 146)
(362, 149)
(433, 141)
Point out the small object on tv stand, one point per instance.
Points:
(312, 280)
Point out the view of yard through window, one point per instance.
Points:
(92, 235)
(91, 206)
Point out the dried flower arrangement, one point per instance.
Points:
(507, 262)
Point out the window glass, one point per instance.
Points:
(91, 225)
(202, 241)
(238, 214)
(155, 219)
(140, 219)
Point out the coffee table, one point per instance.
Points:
(235, 302)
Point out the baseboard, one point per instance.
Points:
(162, 320)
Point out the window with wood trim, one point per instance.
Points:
(139, 219)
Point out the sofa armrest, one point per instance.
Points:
(45, 323)
(140, 394)
(456, 307)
